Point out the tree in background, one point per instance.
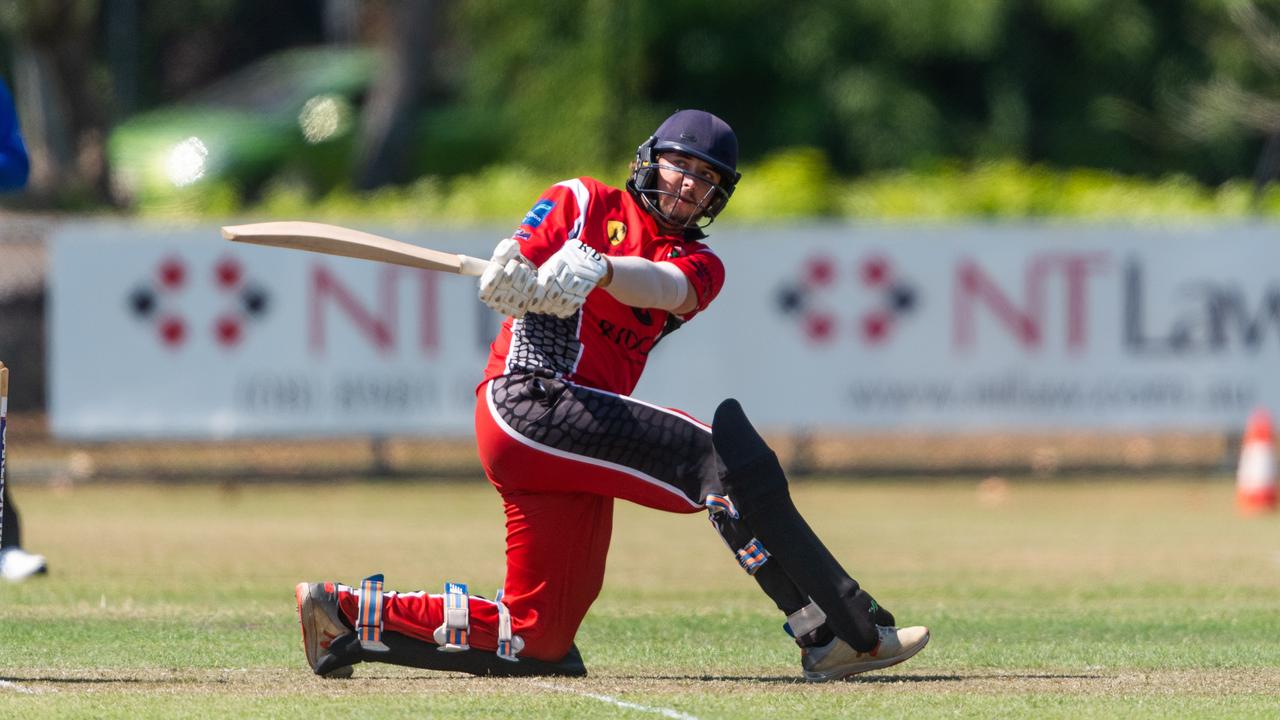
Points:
(79, 66)
(1147, 87)
(58, 88)
(1248, 98)
(406, 30)
(875, 85)
(563, 85)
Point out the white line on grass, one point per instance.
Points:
(664, 712)
(9, 685)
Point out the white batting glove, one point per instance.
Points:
(508, 283)
(566, 278)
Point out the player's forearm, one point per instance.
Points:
(642, 283)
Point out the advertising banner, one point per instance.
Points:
(990, 327)
(967, 327)
(157, 332)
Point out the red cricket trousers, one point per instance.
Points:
(558, 454)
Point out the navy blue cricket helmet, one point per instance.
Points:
(702, 135)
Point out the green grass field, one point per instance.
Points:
(1105, 598)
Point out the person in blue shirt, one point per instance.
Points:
(14, 164)
(16, 564)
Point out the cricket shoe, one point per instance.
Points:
(322, 624)
(837, 659)
(17, 564)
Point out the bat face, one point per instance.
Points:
(346, 242)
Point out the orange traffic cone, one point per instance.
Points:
(1256, 477)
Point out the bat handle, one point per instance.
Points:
(472, 266)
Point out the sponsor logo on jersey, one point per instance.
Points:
(617, 232)
(538, 213)
(626, 338)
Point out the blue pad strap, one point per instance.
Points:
(369, 615)
(751, 556)
(721, 504)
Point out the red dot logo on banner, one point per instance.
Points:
(228, 273)
(819, 327)
(820, 272)
(875, 326)
(819, 281)
(163, 303)
(228, 330)
(874, 271)
(172, 274)
(173, 331)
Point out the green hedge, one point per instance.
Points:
(795, 183)
(1008, 190)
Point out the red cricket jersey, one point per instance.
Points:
(604, 346)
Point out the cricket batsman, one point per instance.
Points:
(590, 282)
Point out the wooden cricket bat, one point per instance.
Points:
(345, 242)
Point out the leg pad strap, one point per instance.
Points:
(454, 633)
(509, 644)
(369, 615)
(751, 556)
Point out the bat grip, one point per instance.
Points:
(472, 266)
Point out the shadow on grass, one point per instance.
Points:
(763, 679)
(962, 678)
(871, 679)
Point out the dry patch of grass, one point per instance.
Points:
(385, 680)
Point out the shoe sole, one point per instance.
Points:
(818, 677)
(311, 634)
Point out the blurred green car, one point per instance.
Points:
(290, 112)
